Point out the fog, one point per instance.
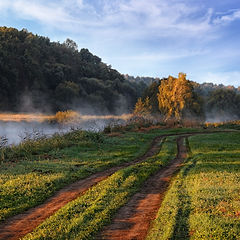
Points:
(13, 132)
(216, 117)
(15, 128)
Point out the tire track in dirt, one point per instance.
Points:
(133, 219)
(18, 226)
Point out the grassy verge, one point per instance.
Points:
(85, 216)
(203, 201)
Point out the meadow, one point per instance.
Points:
(33, 170)
(201, 201)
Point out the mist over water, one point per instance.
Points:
(15, 128)
(216, 117)
(17, 131)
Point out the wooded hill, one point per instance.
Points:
(37, 74)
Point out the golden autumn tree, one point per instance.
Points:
(177, 99)
(142, 108)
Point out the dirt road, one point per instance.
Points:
(18, 226)
(132, 220)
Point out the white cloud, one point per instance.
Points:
(45, 13)
(226, 78)
(229, 17)
(135, 18)
(128, 19)
(163, 18)
(3, 4)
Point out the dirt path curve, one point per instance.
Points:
(132, 220)
(18, 226)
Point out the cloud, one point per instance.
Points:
(125, 19)
(50, 14)
(45, 13)
(226, 78)
(134, 18)
(229, 17)
(161, 18)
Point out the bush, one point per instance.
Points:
(68, 116)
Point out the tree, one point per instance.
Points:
(69, 43)
(223, 104)
(177, 99)
(58, 75)
(142, 108)
(151, 91)
(67, 91)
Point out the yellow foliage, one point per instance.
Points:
(66, 116)
(175, 95)
(143, 108)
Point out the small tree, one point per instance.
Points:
(177, 99)
(143, 108)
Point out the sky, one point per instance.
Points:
(155, 38)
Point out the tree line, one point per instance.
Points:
(37, 74)
(179, 98)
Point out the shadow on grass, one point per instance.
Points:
(214, 162)
(181, 228)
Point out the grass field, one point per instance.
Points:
(32, 171)
(203, 201)
(81, 218)
(34, 176)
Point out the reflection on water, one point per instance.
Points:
(16, 127)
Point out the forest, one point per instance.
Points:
(39, 75)
(180, 98)
(154, 175)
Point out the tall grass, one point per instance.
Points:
(30, 147)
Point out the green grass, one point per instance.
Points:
(29, 181)
(85, 216)
(34, 170)
(203, 201)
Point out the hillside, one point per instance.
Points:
(37, 74)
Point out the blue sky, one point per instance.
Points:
(142, 37)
